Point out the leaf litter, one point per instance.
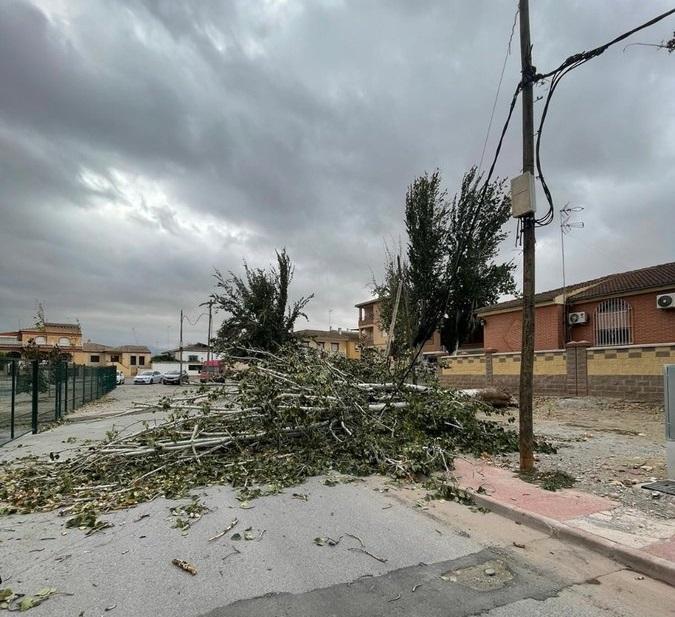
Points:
(283, 418)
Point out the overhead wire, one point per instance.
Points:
(499, 87)
(556, 76)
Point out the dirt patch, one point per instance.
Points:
(611, 447)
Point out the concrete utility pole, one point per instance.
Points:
(527, 222)
(180, 346)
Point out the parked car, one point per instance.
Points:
(212, 370)
(148, 377)
(120, 378)
(173, 377)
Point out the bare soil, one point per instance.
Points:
(611, 447)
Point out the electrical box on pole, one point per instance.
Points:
(523, 195)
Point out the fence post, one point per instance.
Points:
(56, 391)
(36, 393)
(577, 368)
(65, 392)
(60, 377)
(489, 371)
(84, 384)
(12, 409)
(74, 384)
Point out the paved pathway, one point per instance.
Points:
(644, 542)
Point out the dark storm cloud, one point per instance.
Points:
(144, 142)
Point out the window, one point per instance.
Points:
(94, 359)
(335, 346)
(40, 340)
(321, 344)
(613, 323)
(115, 357)
(194, 367)
(141, 360)
(64, 341)
(193, 358)
(133, 360)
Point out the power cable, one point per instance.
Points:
(572, 62)
(194, 323)
(585, 56)
(499, 87)
(556, 75)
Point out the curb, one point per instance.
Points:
(640, 561)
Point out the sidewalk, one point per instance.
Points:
(626, 535)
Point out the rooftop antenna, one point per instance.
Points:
(566, 225)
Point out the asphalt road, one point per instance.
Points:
(396, 556)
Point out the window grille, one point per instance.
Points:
(613, 323)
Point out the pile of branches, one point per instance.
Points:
(279, 419)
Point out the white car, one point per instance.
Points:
(148, 377)
(120, 378)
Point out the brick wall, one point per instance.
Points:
(503, 331)
(651, 325)
(460, 382)
(633, 372)
(502, 370)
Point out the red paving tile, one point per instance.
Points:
(503, 485)
(666, 549)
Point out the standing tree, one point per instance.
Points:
(260, 316)
(476, 222)
(422, 274)
(450, 269)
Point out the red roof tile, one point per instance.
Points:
(652, 277)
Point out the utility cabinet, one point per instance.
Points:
(669, 405)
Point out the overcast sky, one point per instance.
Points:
(143, 143)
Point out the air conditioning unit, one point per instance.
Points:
(577, 318)
(665, 301)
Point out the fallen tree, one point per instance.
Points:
(281, 418)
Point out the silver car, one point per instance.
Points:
(148, 377)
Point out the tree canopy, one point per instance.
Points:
(475, 231)
(449, 268)
(260, 315)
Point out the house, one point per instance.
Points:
(369, 324)
(609, 336)
(345, 342)
(193, 355)
(614, 310)
(67, 336)
(372, 334)
(129, 359)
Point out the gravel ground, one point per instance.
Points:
(611, 447)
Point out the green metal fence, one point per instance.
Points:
(34, 393)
